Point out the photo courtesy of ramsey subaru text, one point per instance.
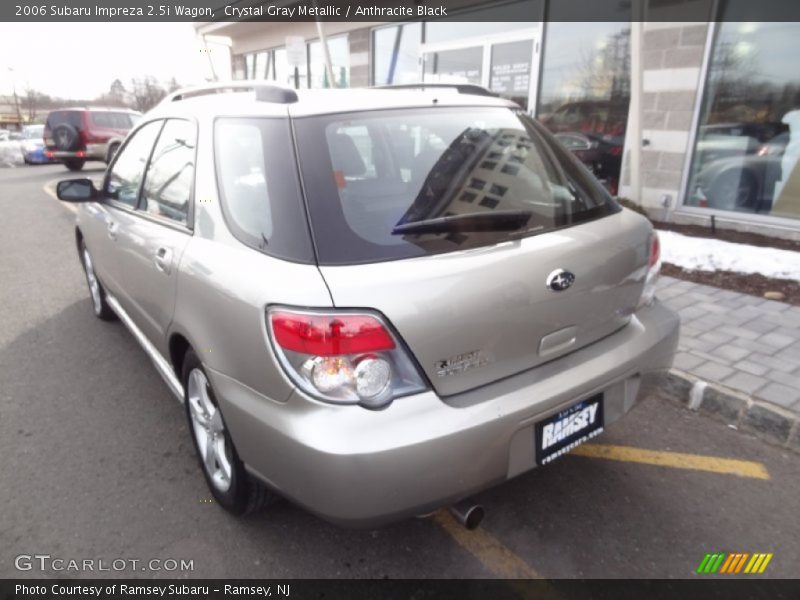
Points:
(372, 302)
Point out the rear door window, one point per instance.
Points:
(125, 176)
(170, 174)
(384, 185)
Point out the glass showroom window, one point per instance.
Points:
(585, 92)
(748, 137)
(340, 61)
(285, 73)
(262, 66)
(395, 52)
(250, 62)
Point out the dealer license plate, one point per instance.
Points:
(560, 433)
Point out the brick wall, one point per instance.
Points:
(359, 41)
(672, 58)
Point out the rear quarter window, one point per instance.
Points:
(111, 120)
(259, 188)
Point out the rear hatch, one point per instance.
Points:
(488, 247)
(63, 130)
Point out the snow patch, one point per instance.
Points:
(704, 254)
(10, 153)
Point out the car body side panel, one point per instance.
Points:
(93, 221)
(223, 292)
(149, 287)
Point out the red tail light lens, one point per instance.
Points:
(330, 335)
(342, 357)
(651, 277)
(655, 251)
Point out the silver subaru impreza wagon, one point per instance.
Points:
(373, 302)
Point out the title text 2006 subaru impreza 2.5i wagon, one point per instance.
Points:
(374, 302)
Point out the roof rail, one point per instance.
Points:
(461, 88)
(265, 92)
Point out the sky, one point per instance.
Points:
(80, 60)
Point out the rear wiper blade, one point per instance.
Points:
(501, 220)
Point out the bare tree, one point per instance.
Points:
(146, 93)
(34, 102)
(117, 93)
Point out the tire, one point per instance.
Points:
(66, 137)
(112, 150)
(74, 164)
(96, 292)
(225, 475)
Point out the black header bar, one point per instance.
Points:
(285, 11)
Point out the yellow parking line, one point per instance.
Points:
(675, 460)
(487, 549)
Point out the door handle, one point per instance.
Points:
(163, 260)
(113, 229)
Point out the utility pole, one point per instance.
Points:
(16, 99)
(325, 53)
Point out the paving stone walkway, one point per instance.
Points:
(742, 342)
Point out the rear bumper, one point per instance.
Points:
(92, 152)
(358, 467)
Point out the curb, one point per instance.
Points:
(738, 410)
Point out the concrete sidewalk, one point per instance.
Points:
(746, 348)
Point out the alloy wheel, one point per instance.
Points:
(209, 431)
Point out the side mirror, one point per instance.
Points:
(76, 190)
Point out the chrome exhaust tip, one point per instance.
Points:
(468, 514)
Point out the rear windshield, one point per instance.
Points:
(111, 120)
(385, 185)
(59, 117)
(33, 132)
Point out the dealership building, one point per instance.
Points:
(692, 119)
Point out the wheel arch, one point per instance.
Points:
(78, 238)
(112, 143)
(179, 345)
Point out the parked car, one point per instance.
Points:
(76, 135)
(602, 117)
(32, 145)
(602, 154)
(371, 336)
(745, 181)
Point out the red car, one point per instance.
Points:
(75, 135)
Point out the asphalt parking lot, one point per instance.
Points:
(97, 463)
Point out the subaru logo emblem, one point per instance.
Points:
(559, 280)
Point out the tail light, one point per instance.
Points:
(343, 357)
(653, 268)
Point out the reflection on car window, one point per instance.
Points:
(168, 184)
(242, 177)
(126, 175)
(392, 169)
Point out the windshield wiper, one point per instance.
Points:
(502, 220)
